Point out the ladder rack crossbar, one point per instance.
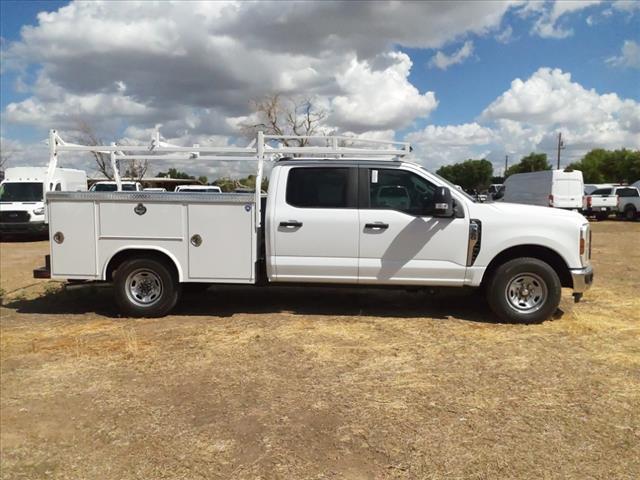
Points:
(258, 150)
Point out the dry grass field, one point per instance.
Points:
(320, 383)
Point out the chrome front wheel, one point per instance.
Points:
(526, 292)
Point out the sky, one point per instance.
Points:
(458, 79)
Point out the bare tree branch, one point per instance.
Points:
(5, 155)
(134, 169)
(278, 115)
(87, 136)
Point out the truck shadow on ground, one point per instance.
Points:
(226, 301)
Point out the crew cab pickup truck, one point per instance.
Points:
(628, 202)
(601, 202)
(335, 216)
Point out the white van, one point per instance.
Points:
(21, 196)
(198, 189)
(547, 188)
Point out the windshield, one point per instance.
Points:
(21, 192)
(112, 187)
(451, 185)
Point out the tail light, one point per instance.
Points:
(588, 202)
(551, 200)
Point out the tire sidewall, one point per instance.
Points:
(170, 288)
(630, 213)
(506, 272)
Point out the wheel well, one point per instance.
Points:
(534, 251)
(128, 254)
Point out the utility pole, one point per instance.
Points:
(506, 165)
(560, 147)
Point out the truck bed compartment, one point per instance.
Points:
(210, 237)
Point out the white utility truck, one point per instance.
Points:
(22, 196)
(333, 215)
(604, 201)
(546, 188)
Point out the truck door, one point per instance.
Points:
(400, 242)
(315, 226)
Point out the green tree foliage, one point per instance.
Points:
(534, 162)
(203, 179)
(227, 184)
(174, 173)
(609, 166)
(470, 174)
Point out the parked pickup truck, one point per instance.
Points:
(628, 202)
(336, 215)
(601, 202)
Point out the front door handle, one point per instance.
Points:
(377, 226)
(291, 224)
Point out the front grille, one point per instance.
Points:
(14, 216)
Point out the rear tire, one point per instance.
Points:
(524, 290)
(146, 288)
(630, 213)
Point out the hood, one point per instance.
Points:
(531, 211)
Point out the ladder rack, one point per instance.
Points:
(259, 150)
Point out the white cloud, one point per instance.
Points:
(628, 6)
(506, 36)
(443, 61)
(528, 116)
(379, 99)
(629, 56)
(550, 18)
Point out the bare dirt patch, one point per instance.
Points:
(320, 383)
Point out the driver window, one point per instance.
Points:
(400, 190)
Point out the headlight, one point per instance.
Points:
(585, 244)
(38, 211)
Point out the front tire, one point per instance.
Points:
(146, 288)
(524, 290)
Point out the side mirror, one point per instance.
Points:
(442, 203)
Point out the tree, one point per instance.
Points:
(470, 174)
(5, 155)
(175, 173)
(203, 179)
(279, 115)
(134, 169)
(534, 162)
(609, 166)
(228, 184)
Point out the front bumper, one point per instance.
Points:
(582, 279)
(24, 227)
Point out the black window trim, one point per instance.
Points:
(352, 186)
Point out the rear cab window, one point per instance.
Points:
(627, 192)
(322, 187)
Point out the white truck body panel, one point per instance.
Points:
(109, 224)
(552, 188)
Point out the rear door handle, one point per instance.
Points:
(291, 224)
(377, 226)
